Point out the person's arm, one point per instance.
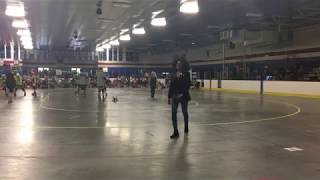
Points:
(6, 82)
(170, 92)
(188, 81)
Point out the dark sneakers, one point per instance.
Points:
(175, 135)
(186, 130)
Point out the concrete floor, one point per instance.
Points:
(61, 136)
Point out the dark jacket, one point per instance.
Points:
(153, 82)
(10, 81)
(180, 85)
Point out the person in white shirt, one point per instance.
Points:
(82, 83)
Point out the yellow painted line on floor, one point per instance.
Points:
(308, 96)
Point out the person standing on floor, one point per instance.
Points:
(101, 83)
(34, 82)
(3, 84)
(82, 82)
(153, 83)
(179, 94)
(11, 85)
(20, 84)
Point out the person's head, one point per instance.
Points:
(153, 74)
(181, 65)
(100, 69)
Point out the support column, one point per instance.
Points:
(93, 56)
(224, 57)
(118, 54)
(12, 50)
(26, 52)
(112, 55)
(19, 52)
(107, 54)
(5, 50)
(124, 54)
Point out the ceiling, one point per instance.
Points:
(54, 22)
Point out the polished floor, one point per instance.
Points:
(63, 136)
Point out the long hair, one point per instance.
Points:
(185, 64)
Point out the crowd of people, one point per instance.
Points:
(12, 82)
(179, 84)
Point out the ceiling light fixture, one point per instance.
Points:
(99, 49)
(159, 22)
(115, 43)
(156, 13)
(25, 43)
(28, 47)
(24, 32)
(122, 3)
(139, 31)
(189, 6)
(125, 37)
(123, 31)
(106, 46)
(99, 10)
(26, 39)
(15, 10)
(20, 24)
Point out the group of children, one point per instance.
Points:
(12, 82)
(101, 83)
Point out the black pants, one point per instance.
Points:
(153, 91)
(184, 107)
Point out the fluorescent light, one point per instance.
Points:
(28, 47)
(15, 10)
(115, 43)
(189, 6)
(24, 44)
(106, 46)
(27, 43)
(136, 25)
(100, 49)
(125, 37)
(123, 31)
(156, 13)
(139, 31)
(26, 39)
(20, 24)
(160, 22)
(24, 32)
